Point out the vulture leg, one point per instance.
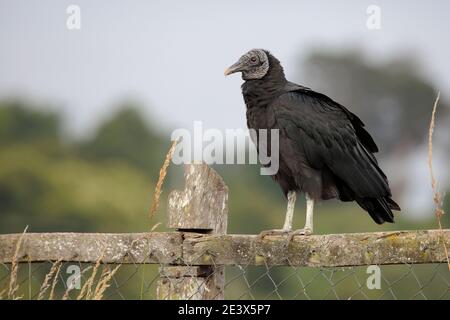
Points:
(287, 227)
(308, 229)
(309, 215)
(292, 196)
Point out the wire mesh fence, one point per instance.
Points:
(69, 280)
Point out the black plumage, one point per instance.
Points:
(324, 149)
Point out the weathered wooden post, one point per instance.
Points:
(202, 207)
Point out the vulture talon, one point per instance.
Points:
(299, 232)
(273, 232)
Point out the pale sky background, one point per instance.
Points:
(170, 55)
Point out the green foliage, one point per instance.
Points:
(22, 123)
(69, 194)
(125, 137)
(51, 186)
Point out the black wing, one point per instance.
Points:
(332, 138)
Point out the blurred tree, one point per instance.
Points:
(69, 194)
(393, 99)
(44, 184)
(126, 137)
(23, 123)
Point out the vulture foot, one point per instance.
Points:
(273, 232)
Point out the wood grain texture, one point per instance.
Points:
(202, 205)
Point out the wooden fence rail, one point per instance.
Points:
(174, 248)
(199, 216)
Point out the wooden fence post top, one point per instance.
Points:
(202, 205)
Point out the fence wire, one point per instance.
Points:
(71, 280)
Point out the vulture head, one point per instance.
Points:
(253, 65)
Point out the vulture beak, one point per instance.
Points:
(237, 67)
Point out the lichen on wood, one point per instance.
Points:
(156, 247)
(181, 248)
(334, 250)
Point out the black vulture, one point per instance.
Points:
(324, 150)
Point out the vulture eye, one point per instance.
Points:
(253, 59)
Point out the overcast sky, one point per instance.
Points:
(170, 55)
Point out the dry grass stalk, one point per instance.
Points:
(162, 176)
(55, 281)
(48, 277)
(437, 198)
(13, 287)
(104, 272)
(104, 283)
(155, 226)
(86, 290)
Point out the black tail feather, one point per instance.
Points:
(380, 209)
(392, 204)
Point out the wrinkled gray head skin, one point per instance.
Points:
(253, 65)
